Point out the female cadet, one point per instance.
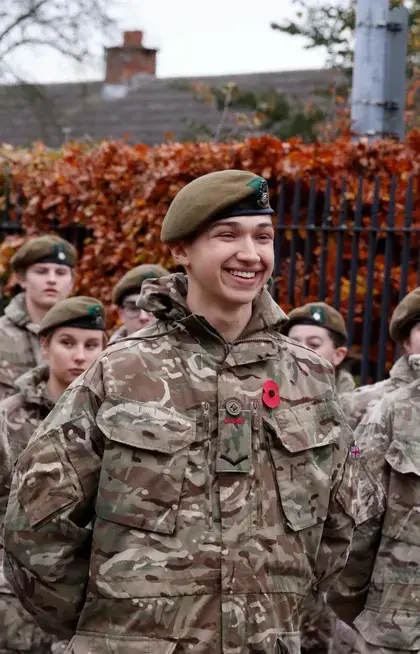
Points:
(72, 336)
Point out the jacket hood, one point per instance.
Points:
(32, 385)
(17, 312)
(166, 299)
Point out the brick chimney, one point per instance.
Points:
(132, 58)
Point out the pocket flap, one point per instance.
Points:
(404, 456)
(149, 426)
(307, 426)
(80, 644)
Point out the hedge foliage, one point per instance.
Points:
(120, 194)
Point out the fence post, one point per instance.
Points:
(378, 94)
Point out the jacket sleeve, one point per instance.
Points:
(5, 457)
(339, 525)
(47, 537)
(348, 595)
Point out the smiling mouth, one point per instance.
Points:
(242, 274)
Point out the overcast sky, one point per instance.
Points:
(197, 38)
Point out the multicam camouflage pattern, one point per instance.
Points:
(118, 335)
(318, 622)
(20, 415)
(344, 381)
(202, 541)
(359, 403)
(379, 591)
(19, 345)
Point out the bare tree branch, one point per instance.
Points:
(73, 28)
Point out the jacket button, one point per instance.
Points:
(233, 406)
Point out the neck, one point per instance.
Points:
(36, 313)
(55, 388)
(229, 322)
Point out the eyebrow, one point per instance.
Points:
(235, 223)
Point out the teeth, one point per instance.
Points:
(240, 273)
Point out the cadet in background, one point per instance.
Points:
(378, 593)
(44, 267)
(72, 337)
(125, 295)
(322, 328)
(404, 330)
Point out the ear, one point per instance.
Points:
(45, 347)
(340, 354)
(406, 346)
(180, 253)
(20, 278)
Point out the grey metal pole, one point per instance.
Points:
(368, 93)
(378, 94)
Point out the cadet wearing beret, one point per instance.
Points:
(322, 328)
(72, 336)
(44, 268)
(404, 330)
(192, 446)
(125, 296)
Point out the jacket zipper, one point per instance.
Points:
(208, 455)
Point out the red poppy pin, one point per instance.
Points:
(271, 397)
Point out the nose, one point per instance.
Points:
(80, 354)
(143, 316)
(247, 251)
(51, 278)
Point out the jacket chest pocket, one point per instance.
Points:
(144, 465)
(402, 518)
(301, 445)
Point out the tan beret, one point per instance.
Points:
(133, 279)
(217, 195)
(406, 314)
(46, 249)
(84, 312)
(317, 313)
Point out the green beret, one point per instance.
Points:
(44, 249)
(132, 280)
(405, 316)
(215, 196)
(81, 311)
(317, 313)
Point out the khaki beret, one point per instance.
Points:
(406, 314)
(44, 249)
(217, 195)
(133, 279)
(81, 311)
(317, 313)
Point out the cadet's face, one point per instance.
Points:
(47, 283)
(231, 260)
(132, 317)
(412, 344)
(71, 350)
(319, 340)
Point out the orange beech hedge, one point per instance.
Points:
(120, 194)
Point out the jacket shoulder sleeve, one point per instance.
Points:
(339, 525)
(348, 595)
(47, 535)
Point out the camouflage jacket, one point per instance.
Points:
(118, 335)
(19, 345)
(213, 515)
(379, 590)
(20, 415)
(361, 401)
(344, 382)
